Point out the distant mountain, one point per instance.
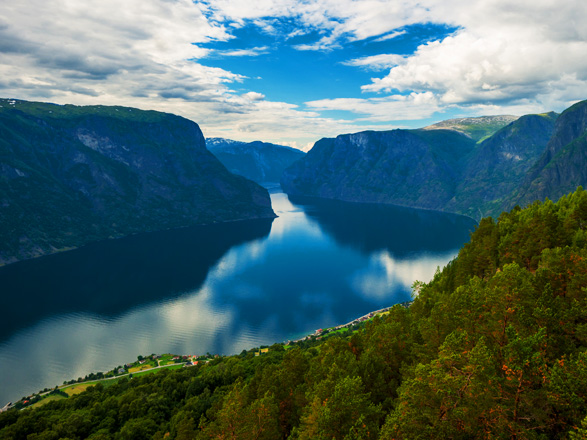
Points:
(220, 143)
(444, 167)
(416, 168)
(71, 175)
(259, 161)
(563, 165)
(479, 128)
(498, 166)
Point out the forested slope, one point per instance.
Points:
(493, 347)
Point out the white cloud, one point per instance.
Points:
(108, 48)
(303, 147)
(376, 62)
(389, 108)
(335, 18)
(253, 96)
(389, 36)
(525, 54)
(253, 52)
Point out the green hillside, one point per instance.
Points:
(493, 347)
(562, 166)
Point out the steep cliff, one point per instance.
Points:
(71, 175)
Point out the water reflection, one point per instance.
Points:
(384, 271)
(69, 346)
(216, 289)
(401, 231)
(110, 277)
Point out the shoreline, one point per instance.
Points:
(318, 334)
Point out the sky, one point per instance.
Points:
(294, 71)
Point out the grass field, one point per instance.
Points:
(145, 366)
(172, 367)
(47, 400)
(78, 388)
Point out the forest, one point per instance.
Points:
(494, 347)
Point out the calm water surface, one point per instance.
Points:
(218, 289)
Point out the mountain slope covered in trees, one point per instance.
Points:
(495, 346)
(71, 175)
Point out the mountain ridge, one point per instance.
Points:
(76, 174)
(530, 158)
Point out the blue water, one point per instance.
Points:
(217, 289)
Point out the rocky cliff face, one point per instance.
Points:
(259, 161)
(71, 175)
(416, 168)
(563, 165)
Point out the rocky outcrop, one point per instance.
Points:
(72, 175)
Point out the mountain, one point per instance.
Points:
(451, 166)
(257, 161)
(71, 175)
(563, 165)
(499, 165)
(416, 168)
(478, 129)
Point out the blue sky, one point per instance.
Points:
(274, 66)
(294, 71)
